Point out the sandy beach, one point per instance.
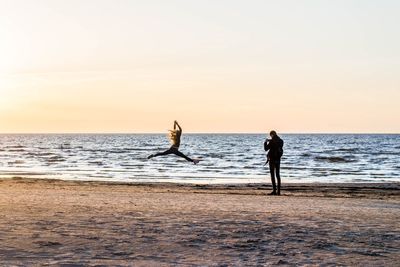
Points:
(90, 224)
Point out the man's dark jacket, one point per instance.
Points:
(274, 148)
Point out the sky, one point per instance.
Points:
(119, 66)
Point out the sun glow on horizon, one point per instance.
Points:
(99, 66)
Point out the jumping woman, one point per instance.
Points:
(175, 138)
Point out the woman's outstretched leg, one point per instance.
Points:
(180, 154)
(166, 152)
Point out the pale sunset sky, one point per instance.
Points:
(214, 65)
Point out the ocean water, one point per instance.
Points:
(225, 158)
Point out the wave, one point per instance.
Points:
(22, 173)
(40, 154)
(216, 155)
(138, 149)
(16, 150)
(98, 163)
(15, 146)
(55, 159)
(16, 162)
(346, 150)
(334, 159)
(115, 151)
(378, 153)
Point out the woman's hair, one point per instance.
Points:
(272, 133)
(172, 135)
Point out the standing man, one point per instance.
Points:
(274, 146)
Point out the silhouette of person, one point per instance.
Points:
(274, 146)
(175, 138)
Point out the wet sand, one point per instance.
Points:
(90, 224)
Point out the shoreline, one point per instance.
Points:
(355, 190)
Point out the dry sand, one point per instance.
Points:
(88, 223)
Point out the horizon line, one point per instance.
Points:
(127, 133)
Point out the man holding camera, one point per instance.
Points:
(274, 146)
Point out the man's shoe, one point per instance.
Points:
(149, 157)
(278, 193)
(273, 193)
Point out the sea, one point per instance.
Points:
(225, 158)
